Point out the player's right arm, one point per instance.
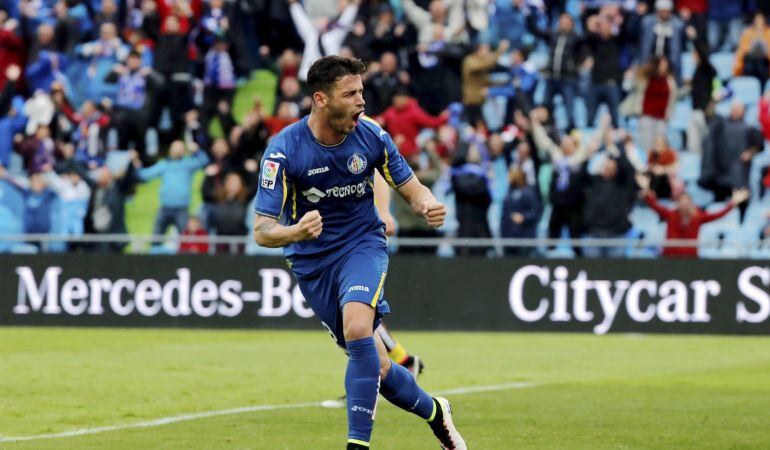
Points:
(271, 198)
(269, 233)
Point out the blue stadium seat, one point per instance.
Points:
(688, 65)
(723, 63)
(689, 166)
(681, 118)
(699, 195)
(746, 89)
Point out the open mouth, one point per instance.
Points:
(357, 116)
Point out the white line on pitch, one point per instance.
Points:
(245, 409)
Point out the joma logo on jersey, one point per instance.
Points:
(314, 195)
(312, 172)
(359, 288)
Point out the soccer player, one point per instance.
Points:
(315, 199)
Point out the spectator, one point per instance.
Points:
(171, 62)
(520, 90)
(176, 174)
(753, 55)
(605, 51)
(522, 210)
(508, 20)
(566, 194)
(694, 13)
(101, 55)
(656, 90)
(609, 198)
(197, 231)
(470, 184)
(12, 48)
(290, 92)
(727, 155)
(662, 169)
(382, 82)
(685, 220)
(702, 86)
(11, 114)
(562, 69)
(213, 183)
(427, 168)
(107, 209)
(387, 34)
(38, 201)
(286, 114)
(475, 72)
(322, 38)
(218, 80)
(404, 120)
(443, 20)
(132, 108)
(663, 36)
(74, 194)
(90, 125)
(435, 71)
(232, 202)
(725, 18)
(38, 151)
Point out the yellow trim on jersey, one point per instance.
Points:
(356, 441)
(283, 202)
(379, 289)
(386, 171)
(294, 201)
(370, 120)
(433, 415)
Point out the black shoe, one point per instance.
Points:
(354, 446)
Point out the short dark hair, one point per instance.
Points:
(330, 69)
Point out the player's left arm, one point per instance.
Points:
(382, 203)
(397, 173)
(423, 202)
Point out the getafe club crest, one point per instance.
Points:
(357, 163)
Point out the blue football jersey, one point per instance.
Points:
(299, 174)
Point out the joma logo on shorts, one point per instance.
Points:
(359, 288)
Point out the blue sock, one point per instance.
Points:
(401, 389)
(362, 381)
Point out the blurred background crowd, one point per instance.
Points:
(603, 119)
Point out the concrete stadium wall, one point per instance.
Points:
(425, 293)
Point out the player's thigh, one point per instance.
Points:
(362, 275)
(321, 295)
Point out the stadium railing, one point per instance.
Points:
(633, 247)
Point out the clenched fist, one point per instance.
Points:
(434, 213)
(310, 226)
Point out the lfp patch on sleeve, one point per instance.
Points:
(270, 174)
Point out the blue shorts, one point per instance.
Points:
(358, 276)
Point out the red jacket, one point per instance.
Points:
(199, 248)
(677, 229)
(408, 122)
(12, 51)
(695, 6)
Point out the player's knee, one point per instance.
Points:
(357, 330)
(384, 366)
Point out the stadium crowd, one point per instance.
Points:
(532, 118)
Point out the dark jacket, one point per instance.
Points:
(703, 79)
(608, 202)
(524, 201)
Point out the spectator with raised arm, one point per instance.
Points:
(404, 120)
(324, 37)
(444, 17)
(752, 58)
(685, 220)
(176, 174)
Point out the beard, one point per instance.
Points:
(339, 119)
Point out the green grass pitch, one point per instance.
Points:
(589, 392)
